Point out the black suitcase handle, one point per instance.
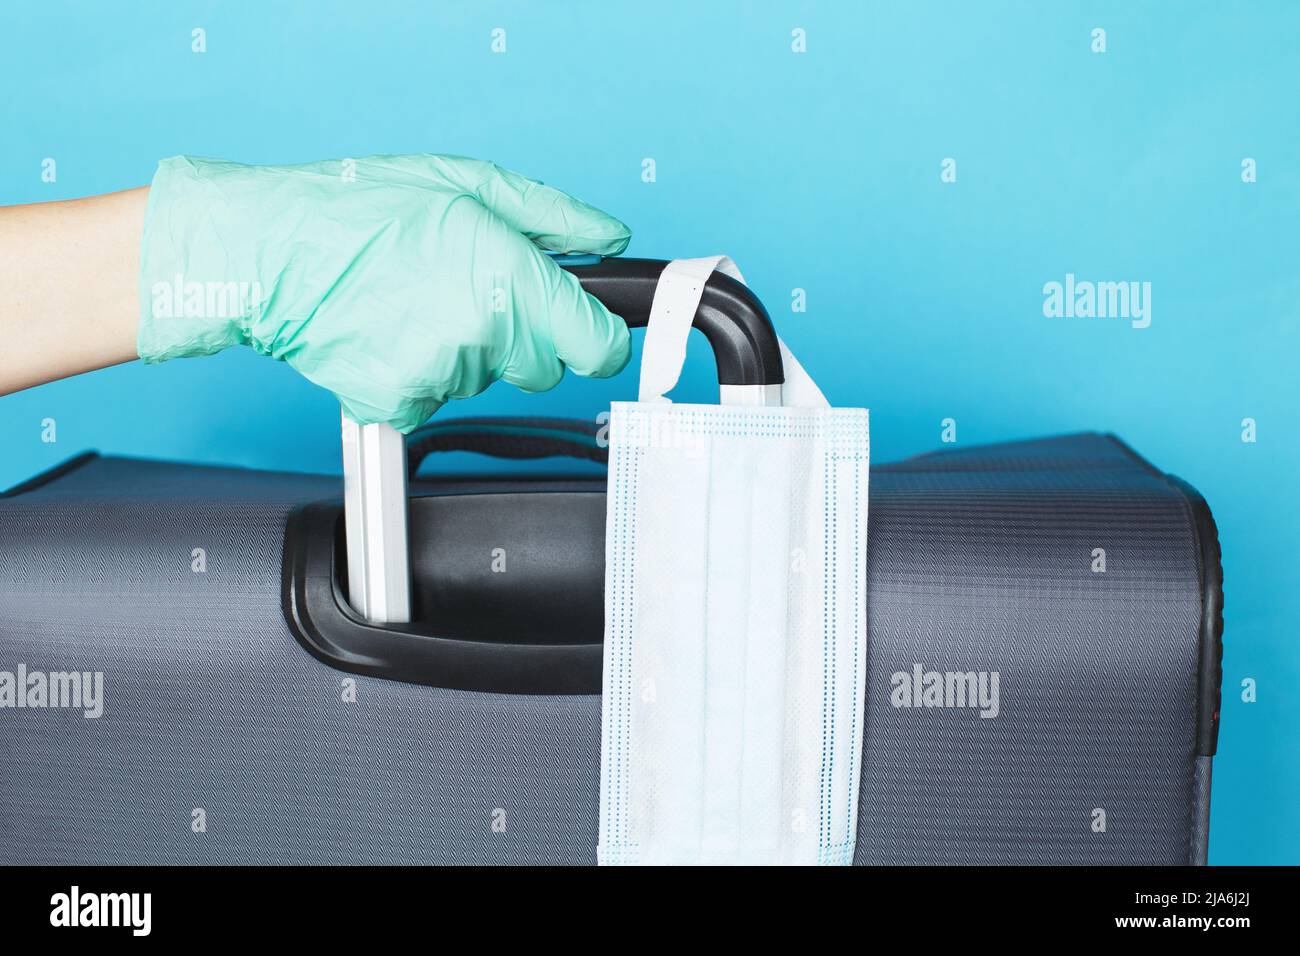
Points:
(314, 582)
(521, 439)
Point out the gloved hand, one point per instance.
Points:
(396, 282)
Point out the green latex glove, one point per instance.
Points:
(396, 282)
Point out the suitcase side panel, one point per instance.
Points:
(211, 703)
(983, 562)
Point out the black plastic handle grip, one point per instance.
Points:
(518, 438)
(730, 316)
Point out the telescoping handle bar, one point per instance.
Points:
(748, 357)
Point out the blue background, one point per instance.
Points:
(818, 171)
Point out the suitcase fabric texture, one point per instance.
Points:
(980, 559)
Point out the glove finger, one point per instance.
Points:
(588, 338)
(533, 365)
(555, 324)
(552, 219)
(555, 321)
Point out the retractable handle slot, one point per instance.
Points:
(745, 348)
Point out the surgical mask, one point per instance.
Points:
(735, 618)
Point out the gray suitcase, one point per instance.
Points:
(251, 716)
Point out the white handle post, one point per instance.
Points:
(374, 510)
